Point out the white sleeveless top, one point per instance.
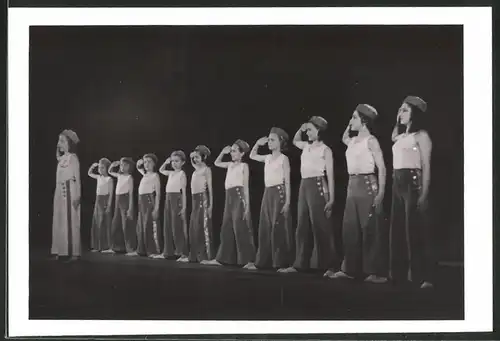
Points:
(149, 183)
(313, 162)
(405, 153)
(234, 175)
(199, 180)
(273, 171)
(359, 157)
(103, 185)
(123, 184)
(176, 182)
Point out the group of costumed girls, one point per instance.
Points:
(369, 253)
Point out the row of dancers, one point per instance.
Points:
(370, 252)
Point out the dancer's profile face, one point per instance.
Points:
(197, 159)
(312, 132)
(63, 143)
(273, 142)
(404, 114)
(236, 154)
(355, 122)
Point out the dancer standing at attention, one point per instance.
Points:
(364, 237)
(123, 229)
(316, 198)
(66, 214)
(410, 250)
(275, 230)
(174, 218)
(237, 241)
(100, 233)
(149, 206)
(200, 225)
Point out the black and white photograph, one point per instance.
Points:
(285, 173)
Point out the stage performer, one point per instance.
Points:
(200, 223)
(275, 230)
(237, 239)
(66, 214)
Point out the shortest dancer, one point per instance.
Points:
(275, 230)
(200, 225)
(365, 236)
(100, 234)
(237, 243)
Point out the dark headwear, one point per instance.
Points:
(282, 135)
(203, 150)
(128, 160)
(70, 134)
(416, 101)
(105, 161)
(319, 122)
(367, 110)
(180, 154)
(244, 147)
(151, 156)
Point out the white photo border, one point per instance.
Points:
(478, 279)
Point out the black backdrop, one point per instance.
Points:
(131, 90)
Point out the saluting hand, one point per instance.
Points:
(262, 141)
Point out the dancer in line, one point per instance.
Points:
(237, 240)
(100, 233)
(174, 218)
(410, 250)
(364, 237)
(66, 214)
(123, 232)
(149, 206)
(200, 224)
(275, 230)
(316, 198)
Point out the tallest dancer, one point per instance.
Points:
(316, 197)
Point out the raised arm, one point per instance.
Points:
(218, 162)
(254, 153)
(425, 147)
(297, 139)
(139, 166)
(58, 154)
(91, 171)
(374, 147)
(163, 169)
(345, 137)
(110, 169)
(210, 191)
(395, 134)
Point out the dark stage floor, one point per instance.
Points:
(118, 287)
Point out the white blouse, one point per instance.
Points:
(274, 173)
(313, 162)
(150, 182)
(234, 175)
(359, 157)
(123, 184)
(405, 153)
(176, 182)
